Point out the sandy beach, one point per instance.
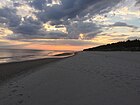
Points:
(88, 78)
(9, 70)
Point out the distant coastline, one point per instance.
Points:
(129, 45)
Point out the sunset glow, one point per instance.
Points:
(54, 47)
(71, 27)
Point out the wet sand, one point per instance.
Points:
(9, 70)
(88, 78)
(12, 69)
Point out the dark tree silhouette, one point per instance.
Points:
(133, 45)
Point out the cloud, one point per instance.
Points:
(75, 15)
(66, 9)
(138, 1)
(4, 20)
(29, 27)
(91, 35)
(122, 24)
(57, 42)
(39, 4)
(56, 35)
(4, 44)
(75, 29)
(72, 8)
(9, 15)
(50, 35)
(32, 29)
(133, 38)
(39, 34)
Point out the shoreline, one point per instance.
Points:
(31, 56)
(11, 69)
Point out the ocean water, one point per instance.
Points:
(16, 55)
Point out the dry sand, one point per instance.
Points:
(88, 78)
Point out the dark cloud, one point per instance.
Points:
(51, 13)
(133, 38)
(100, 7)
(138, 2)
(122, 24)
(68, 8)
(123, 35)
(3, 20)
(39, 4)
(86, 27)
(56, 22)
(28, 26)
(72, 8)
(77, 28)
(65, 13)
(92, 35)
(9, 15)
(38, 34)
(33, 29)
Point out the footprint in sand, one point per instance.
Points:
(138, 91)
(20, 101)
(10, 95)
(22, 86)
(20, 94)
(13, 91)
(11, 84)
(15, 86)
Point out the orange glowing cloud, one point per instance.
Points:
(54, 47)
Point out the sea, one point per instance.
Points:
(17, 55)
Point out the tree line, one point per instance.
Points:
(129, 45)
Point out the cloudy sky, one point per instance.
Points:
(67, 24)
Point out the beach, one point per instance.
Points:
(87, 78)
(18, 67)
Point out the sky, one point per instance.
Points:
(67, 24)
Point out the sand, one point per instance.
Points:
(9, 70)
(88, 78)
(12, 69)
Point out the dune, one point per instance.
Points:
(88, 78)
